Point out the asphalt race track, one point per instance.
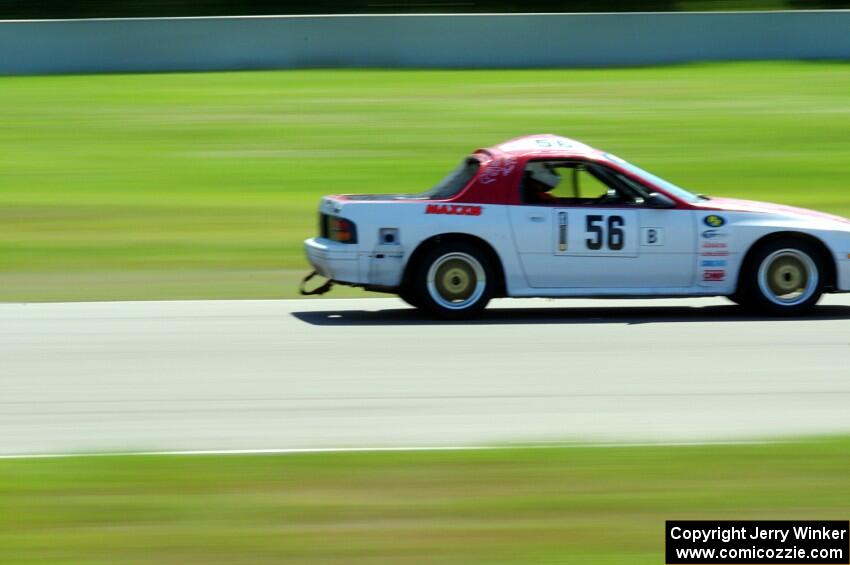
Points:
(121, 376)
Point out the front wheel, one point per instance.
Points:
(454, 281)
(783, 277)
(408, 294)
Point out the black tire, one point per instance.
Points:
(454, 281)
(408, 294)
(782, 277)
(738, 299)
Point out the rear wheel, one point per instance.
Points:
(783, 277)
(454, 281)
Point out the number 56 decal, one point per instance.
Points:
(580, 232)
(605, 232)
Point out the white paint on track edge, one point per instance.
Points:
(308, 450)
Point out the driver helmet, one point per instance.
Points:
(544, 176)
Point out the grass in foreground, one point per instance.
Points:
(204, 185)
(559, 505)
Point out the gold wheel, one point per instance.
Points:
(788, 277)
(456, 281)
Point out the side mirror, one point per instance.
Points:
(658, 200)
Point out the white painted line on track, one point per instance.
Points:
(308, 450)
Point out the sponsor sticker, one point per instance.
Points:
(714, 221)
(562, 231)
(714, 275)
(714, 249)
(503, 166)
(713, 263)
(453, 209)
(714, 234)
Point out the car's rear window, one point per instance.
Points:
(452, 184)
(455, 181)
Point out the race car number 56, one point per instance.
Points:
(604, 232)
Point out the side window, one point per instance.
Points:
(573, 183)
(589, 186)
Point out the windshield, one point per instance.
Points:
(668, 186)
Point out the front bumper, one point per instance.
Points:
(334, 260)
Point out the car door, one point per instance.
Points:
(589, 245)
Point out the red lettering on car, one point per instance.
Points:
(453, 209)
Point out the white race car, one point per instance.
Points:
(548, 216)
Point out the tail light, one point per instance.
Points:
(338, 229)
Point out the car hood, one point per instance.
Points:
(735, 205)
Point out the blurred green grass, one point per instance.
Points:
(555, 505)
(204, 185)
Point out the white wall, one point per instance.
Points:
(498, 40)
